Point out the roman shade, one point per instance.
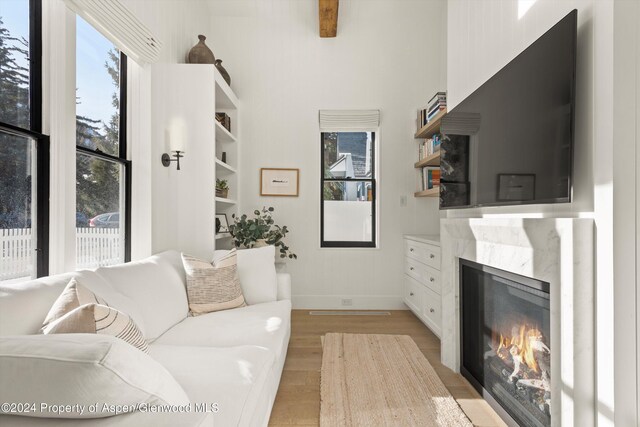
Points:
(117, 23)
(349, 120)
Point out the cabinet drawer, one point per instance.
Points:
(413, 294)
(424, 274)
(432, 310)
(428, 254)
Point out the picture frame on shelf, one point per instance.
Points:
(279, 182)
(222, 224)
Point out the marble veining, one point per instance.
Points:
(555, 250)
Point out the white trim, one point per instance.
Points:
(360, 302)
(59, 73)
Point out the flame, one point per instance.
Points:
(520, 344)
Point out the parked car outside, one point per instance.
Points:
(106, 220)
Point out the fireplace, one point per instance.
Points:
(505, 342)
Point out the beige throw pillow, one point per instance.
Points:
(213, 287)
(73, 296)
(101, 320)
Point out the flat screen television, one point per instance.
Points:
(511, 141)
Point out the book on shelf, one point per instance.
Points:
(428, 178)
(438, 95)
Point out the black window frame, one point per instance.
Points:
(374, 198)
(41, 141)
(121, 158)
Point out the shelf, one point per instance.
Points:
(432, 160)
(225, 98)
(224, 168)
(432, 127)
(223, 236)
(225, 201)
(222, 134)
(432, 192)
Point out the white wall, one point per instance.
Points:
(483, 36)
(177, 24)
(386, 56)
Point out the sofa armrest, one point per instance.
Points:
(284, 286)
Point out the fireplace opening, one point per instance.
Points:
(505, 346)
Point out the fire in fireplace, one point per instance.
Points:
(505, 349)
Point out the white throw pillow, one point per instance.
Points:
(81, 370)
(257, 272)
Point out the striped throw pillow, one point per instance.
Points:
(213, 287)
(73, 296)
(99, 319)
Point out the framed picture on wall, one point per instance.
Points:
(279, 182)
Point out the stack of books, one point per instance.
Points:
(437, 103)
(429, 146)
(428, 178)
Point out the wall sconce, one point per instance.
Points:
(166, 158)
(176, 135)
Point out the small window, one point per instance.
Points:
(348, 190)
(102, 169)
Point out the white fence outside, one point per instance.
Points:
(95, 247)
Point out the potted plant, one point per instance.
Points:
(261, 230)
(222, 188)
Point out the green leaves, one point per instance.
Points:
(247, 231)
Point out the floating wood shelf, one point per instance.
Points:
(432, 127)
(432, 192)
(226, 201)
(224, 169)
(222, 134)
(432, 160)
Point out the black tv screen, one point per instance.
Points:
(511, 141)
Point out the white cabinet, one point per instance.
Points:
(422, 279)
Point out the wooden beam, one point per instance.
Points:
(328, 17)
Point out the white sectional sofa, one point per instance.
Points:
(232, 358)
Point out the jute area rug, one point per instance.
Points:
(382, 380)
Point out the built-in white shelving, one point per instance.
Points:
(224, 169)
(226, 146)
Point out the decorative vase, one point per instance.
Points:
(223, 71)
(200, 53)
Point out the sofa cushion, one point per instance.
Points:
(233, 379)
(39, 296)
(98, 319)
(266, 325)
(156, 286)
(82, 369)
(213, 286)
(257, 271)
(73, 296)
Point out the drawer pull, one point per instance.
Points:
(432, 256)
(432, 279)
(410, 294)
(411, 268)
(431, 310)
(410, 249)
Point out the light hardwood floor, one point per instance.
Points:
(298, 399)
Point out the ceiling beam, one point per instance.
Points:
(328, 17)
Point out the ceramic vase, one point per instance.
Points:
(201, 54)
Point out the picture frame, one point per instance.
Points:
(279, 182)
(516, 187)
(222, 224)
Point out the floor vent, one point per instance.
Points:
(349, 313)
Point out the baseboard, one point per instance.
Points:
(358, 302)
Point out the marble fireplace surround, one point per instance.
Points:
(555, 250)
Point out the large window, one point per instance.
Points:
(24, 151)
(102, 169)
(348, 190)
